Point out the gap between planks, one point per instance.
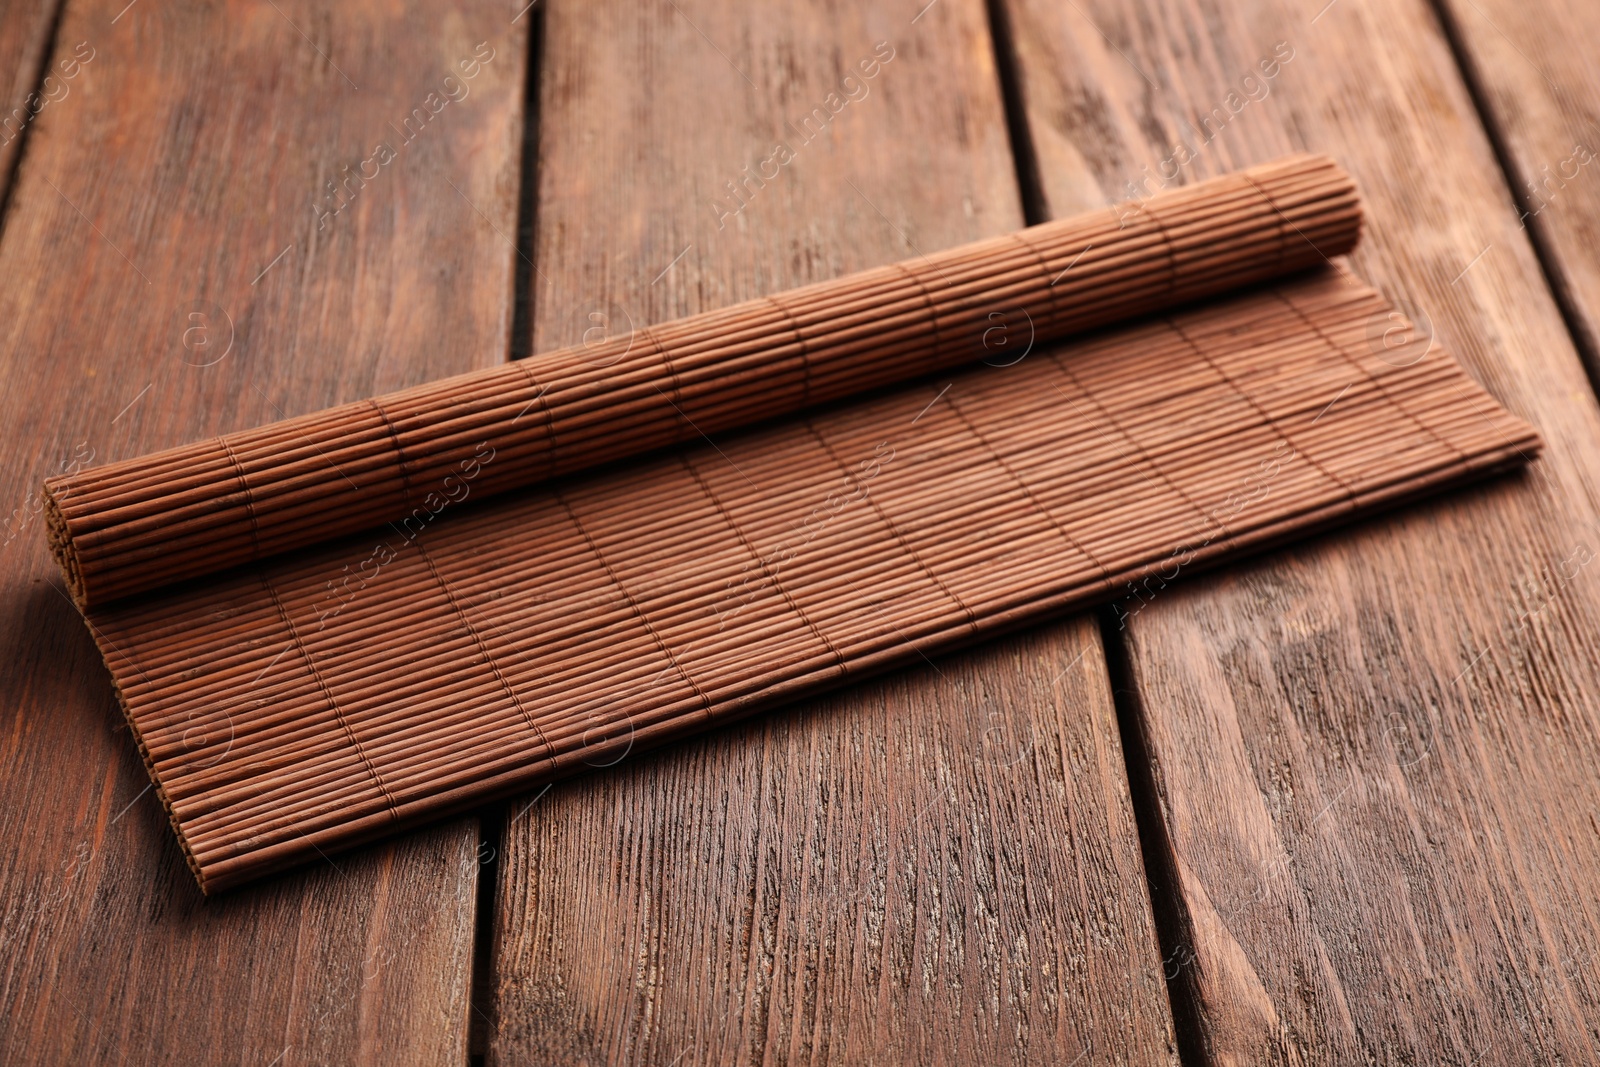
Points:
(492, 820)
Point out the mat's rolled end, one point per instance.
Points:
(60, 537)
(66, 554)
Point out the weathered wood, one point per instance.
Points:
(166, 276)
(29, 86)
(1374, 756)
(1533, 68)
(938, 865)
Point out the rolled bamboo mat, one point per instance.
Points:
(467, 648)
(130, 527)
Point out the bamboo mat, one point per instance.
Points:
(372, 641)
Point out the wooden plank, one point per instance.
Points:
(29, 86)
(1534, 74)
(943, 863)
(175, 266)
(1372, 757)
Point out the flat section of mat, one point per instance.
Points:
(333, 696)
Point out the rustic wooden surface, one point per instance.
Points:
(1374, 756)
(179, 176)
(24, 93)
(1364, 768)
(1533, 70)
(941, 865)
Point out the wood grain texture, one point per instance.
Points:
(182, 178)
(24, 92)
(939, 865)
(1374, 756)
(1534, 70)
(929, 868)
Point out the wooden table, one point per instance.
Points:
(1340, 804)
